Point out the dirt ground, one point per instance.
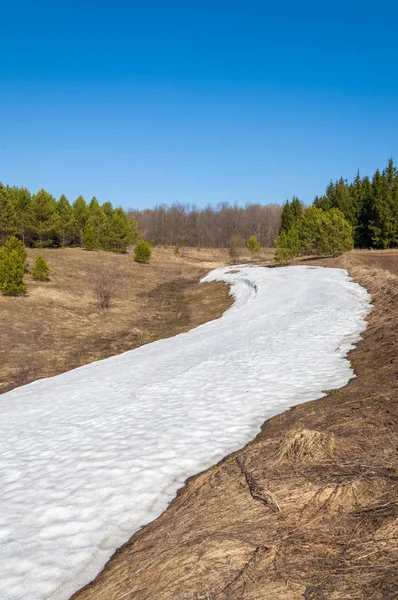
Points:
(58, 325)
(308, 510)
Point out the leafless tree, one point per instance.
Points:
(184, 224)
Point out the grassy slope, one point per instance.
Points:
(58, 326)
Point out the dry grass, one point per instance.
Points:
(62, 324)
(308, 510)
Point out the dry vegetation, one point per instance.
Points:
(60, 324)
(308, 510)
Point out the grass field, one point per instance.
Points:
(58, 325)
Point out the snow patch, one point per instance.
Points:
(90, 456)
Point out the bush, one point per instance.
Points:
(142, 252)
(177, 251)
(104, 289)
(41, 270)
(234, 245)
(12, 267)
(253, 244)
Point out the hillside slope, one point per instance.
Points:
(307, 510)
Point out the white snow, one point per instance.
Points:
(90, 456)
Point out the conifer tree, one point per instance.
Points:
(142, 252)
(13, 243)
(12, 268)
(287, 246)
(66, 221)
(98, 219)
(80, 216)
(286, 218)
(8, 224)
(253, 245)
(90, 237)
(119, 234)
(21, 201)
(41, 270)
(45, 219)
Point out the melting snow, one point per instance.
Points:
(90, 456)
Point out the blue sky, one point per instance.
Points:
(199, 102)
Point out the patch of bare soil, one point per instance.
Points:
(58, 325)
(308, 510)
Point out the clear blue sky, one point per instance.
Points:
(196, 101)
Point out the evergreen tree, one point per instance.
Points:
(336, 235)
(98, 220)
(291, 213)
(286, 218)
(21, 201)
(45, 219)
(253, 245)
(66, 221)
(8, 224)
(90, 236)
(119, 234)
(80, 217)
(287, 246)
(13, 243)
(142, 252)
(41, 270)
(12, 268)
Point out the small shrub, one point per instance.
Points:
(165, 246)
(234, 245)
(41, 270)
(104, 289)
(142, 252)
(253, 244)
(177, 251)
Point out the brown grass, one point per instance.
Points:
(60, 325)
(308, 510)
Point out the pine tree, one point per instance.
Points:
(8, 224)
(21, 201)
(66, 221)
(287, 246)
(98, 219)
(80, 217)
(142, 252)
(12, 268)
(286, 218)
(336, 235)
(13, 243)
(253, 244)
(45, 219)
(119, 234)
(90, 237)
(41, 270)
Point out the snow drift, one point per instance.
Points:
(89, 456)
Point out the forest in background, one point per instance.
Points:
(369, 205)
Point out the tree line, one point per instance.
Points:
(369, 205)
(363, 213)
(186, 225)
(39, 220)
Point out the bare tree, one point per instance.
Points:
(185, 224)
(105, 285)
